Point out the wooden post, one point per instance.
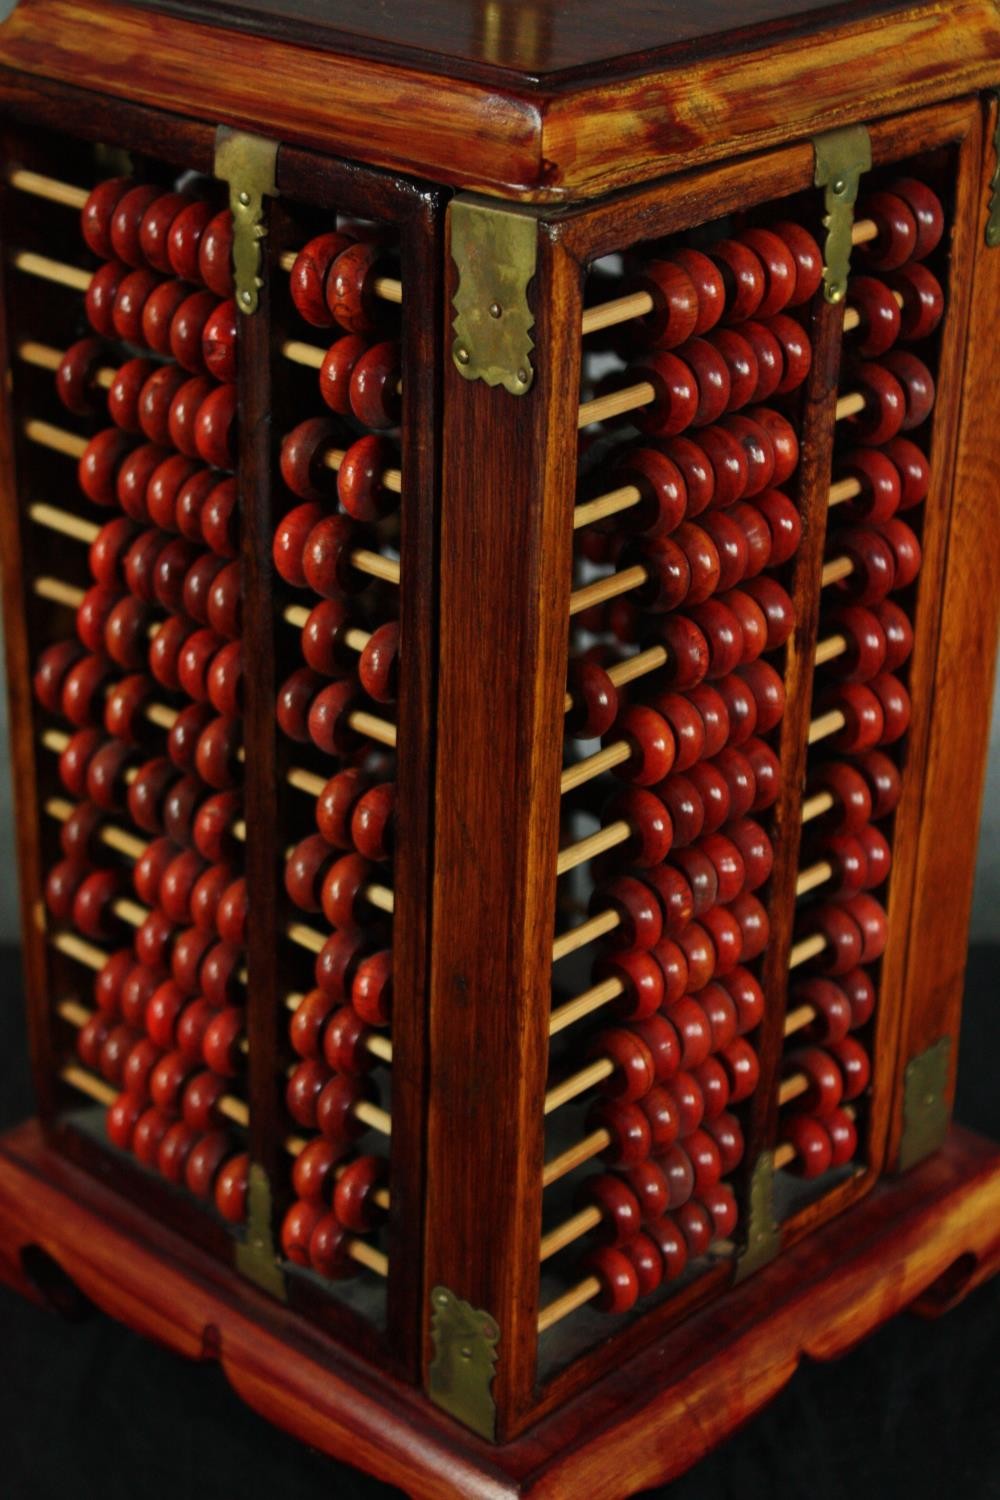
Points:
(506, 548)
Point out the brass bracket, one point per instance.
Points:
(925, 1104)
(256, 1258)
(763, 1230)
(841, 158)
(249, 164)
(461, 1373)
(495, 250)
(993, 222)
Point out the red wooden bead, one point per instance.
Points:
(731, 547)
(345, 1043)
(676, 396)
(757, 534)
(373, 822)
(783, 440)
(208, 1154)
(225, 680)
(811, 1142)
(354, 1195)
(330, 715)
(155, 404)
(91, 1038)
(662, 1116)
(651, 741)
(796, 351)
(76, 377)
(740, 1062)
(878, 857)
(140, 985)
(844, 940)
(199, 1104)
(640, 917)
(106, 620)
(350, 289)
(297, 1229)
(896, 239)
(674, 895)
(883, 783)
(634, 1072)
(728, 464)
(54, 666)
(343, 891)
(676, 307)
(922, 300)
(691, 1024)
(895, 707)
(163, 1008)
(217, 754)
(742, 276)
(326, 558)
(879, 480)
(628, 1127)
(184, 239)
(184, 411)
(75, 760)
(854, 1065)
(740, 362)
(640, 978)
(219, 341)
(215, 254)
(619, 1280)
(231, 1189)
(98, 212)
(154, 229)
(335, 1108)
(843, 1137)
(897, 631)
(878, 315)
(671, 1245)
(780, 271)
(651, 1188)
(714, 368)
(158, 314)
(101, 295)
(873, 564)
(305, 1084)
(833, 1011)
(225, 600)
(706, 1160)
(707, 280)
(215, 428)
(784, 522)
(686, 725)
(148, 1135)
(650, 822)
(928, 215)
(621, 1214)
(808, 260)
(126, 222)
(687, 651)
(646, 1261)
(115, 1050)
(726, 939)
(917, 384)
(83, 690)
(885, 409)
(693, 464)
(221, 976)
(375, 397)
(336, 370)
(663, 491)
(727, 1134)
(864, 653)
(769, 357)
(313, 1176)
(134, 290)
(679, 1172)
(329, 1254)
(109, 980)
(221, 1042)
(308, 278)
(871, 919)
(167, 1080)
(378, 665)
(668, 573)
(121, 1120)
(822, 1075)
(97, 471)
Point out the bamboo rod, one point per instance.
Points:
(86, 1082)
(596, 843)
(584, 1004)
(583, 771)
(55, 271)
(578, 1083)
(65, 193)
(46, 435)
(587, 932)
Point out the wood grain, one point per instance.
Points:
(647, 1422)
(511, 141)
(961, 686)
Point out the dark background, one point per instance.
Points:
(89, 1411)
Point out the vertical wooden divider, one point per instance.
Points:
(958, 675)
(506, 548)
(816, 443)
(264, 789)
(15, 554)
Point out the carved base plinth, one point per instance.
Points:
(920, 1241)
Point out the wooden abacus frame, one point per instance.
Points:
(471, 1030)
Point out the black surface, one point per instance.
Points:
(89, 1411)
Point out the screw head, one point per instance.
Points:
(245, 198)
(495, 309)
(839, 186)
(246, 298)
(522, 376)
(462, 354)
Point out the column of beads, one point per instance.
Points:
(683, 685)
(342, 470)
(161, 1046)
(896, 303)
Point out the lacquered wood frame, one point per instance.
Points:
(496, 833)
(415, 209)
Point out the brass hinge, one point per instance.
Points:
(495, 250)
(993, 221)
(925, 1104)
(249, 164)
(461, 1373)
(256, 1258)
(763, 1230)
(842, 156)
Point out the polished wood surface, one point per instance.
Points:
(512, 142)
(648, 1421)
(532, 42)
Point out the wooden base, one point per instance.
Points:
(921, 1241)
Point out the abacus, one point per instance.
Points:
(500, 626)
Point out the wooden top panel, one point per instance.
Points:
(556, 142)
(530, 41)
